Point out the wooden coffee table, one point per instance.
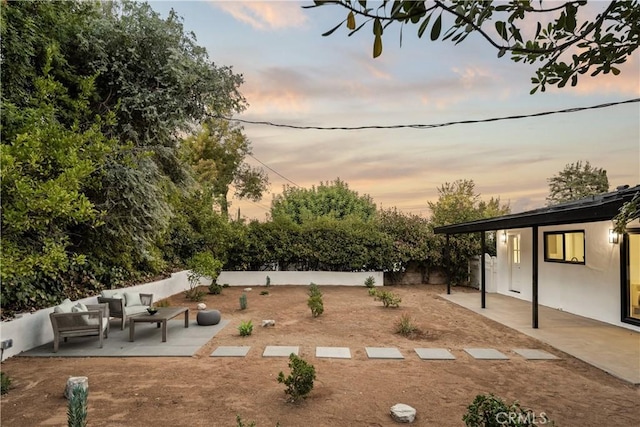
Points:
(161, 317)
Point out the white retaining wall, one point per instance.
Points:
(259, 278)
(34, 329)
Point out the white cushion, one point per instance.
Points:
(117, 296)
(132, 298)
(65, 306)
(79, 307)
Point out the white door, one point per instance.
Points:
(515, 282)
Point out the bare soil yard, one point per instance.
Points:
(206, 391)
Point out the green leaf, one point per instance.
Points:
(331, 31)
(377, 46)
(615, 71)
(437, 26)
(363, 3)
(351, 21)
(502, 51)
(501, 28)
(423, 26)
(377, 27)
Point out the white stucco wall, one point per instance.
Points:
(259, 278)
(591, 290)
(34, 329)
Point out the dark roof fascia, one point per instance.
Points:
(601, 208)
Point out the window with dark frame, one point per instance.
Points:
(564, 246)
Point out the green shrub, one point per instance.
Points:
(314, 290)
(388, 298)
(239, 422)
(300, 381)
(243, 302)
(370, 282)
(194, 294)
(226, 285)
(215, 289)
(245, 328)
(373, 292)
(316, 305)
(491, 411)
(405, 326)
(162, 303)
(77, 409)
(264, 292)
(201, 265)
(5, 382)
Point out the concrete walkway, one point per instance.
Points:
(611, 348)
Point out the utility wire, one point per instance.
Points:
(273, 170)
(429, 126)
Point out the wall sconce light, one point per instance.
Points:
(503, 238)
(613, 236)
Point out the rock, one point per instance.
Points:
(403, 413)
(74, 382)
(202, 306)
(269, 322)
(247, 289)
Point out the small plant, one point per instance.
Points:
(226, 285)
(405, 326)
(5, 382)
(243, 302)
(77, 409)
(314, 290)
(268, 282)
(201, 265)
(162, 303)
(215, 289)
(316, 305)
(241, 424)
(388, 298)
(373, 292)
(264, 292)
(370, 282)
(491, 411)
(245, 328)
(300, 381)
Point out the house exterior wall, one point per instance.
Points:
(591, 290)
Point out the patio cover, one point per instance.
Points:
(601, 207)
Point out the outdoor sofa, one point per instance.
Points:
(124, 305)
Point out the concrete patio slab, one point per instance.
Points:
(333, 352)
(280, 351)
(434, 354)
(534, 354)
(608, 347)
(231, 351)
(383, 353)
(181, 342)
(486, 354)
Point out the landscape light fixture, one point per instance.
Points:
(613, 236)
(504, 237)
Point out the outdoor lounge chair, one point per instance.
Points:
(125, 304)
(79, 320)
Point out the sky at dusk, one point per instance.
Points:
(295, 76)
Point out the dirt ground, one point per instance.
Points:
(206, 391)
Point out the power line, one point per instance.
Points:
(429, 126)
(273, 170)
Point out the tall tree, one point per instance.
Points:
(566, 46)
(577, 181)
(331, 199)
(217, 154)
(458, 202)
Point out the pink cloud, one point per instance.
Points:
(265, 15)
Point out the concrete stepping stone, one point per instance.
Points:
(486, 354)
(280, 351)
(333, 352)
(534, 354)
(231, 351)
(434, 354)
(383, 353)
